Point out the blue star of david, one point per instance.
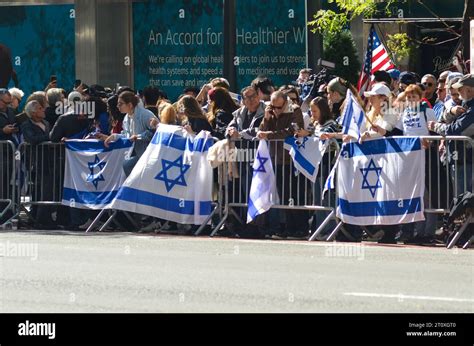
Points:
(261, 161)
(167, 165)
(95, 178)
(302, 144)
(365, 183)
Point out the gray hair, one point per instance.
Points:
(31, 107)
(54, 95)
(429, 76)
(15, 92)
(281, 95)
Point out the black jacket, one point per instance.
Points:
(6, 118)
(199, 124)
(51, 116)
(34, 134)
(69, 126)
(221, 122)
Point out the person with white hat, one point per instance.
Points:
(380, 115)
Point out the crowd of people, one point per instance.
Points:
(397, 103)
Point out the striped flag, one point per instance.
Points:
(353, 116)
(263, 191)
(172, 180)
(376, 59)
(372, 182)
(93, 172)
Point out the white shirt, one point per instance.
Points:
(413, 123)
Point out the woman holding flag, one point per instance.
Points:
(317, 121)
(380, 115)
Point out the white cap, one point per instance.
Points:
(378, 89)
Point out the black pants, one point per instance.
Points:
(290, 191)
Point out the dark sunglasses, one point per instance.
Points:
(428, 84)
(275, 107)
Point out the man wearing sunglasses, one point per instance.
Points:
(280, 122)
(429, 82)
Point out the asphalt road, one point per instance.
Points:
(125, 272)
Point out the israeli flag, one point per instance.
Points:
(306, 153)
(330, 183)
(263, 192)
(381, 182)
(353, 116)
(93, 173)
(172, 180)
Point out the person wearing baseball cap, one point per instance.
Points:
(336, 90)
(381, 116)
(407, 78)
(463, 125)
(453, 106)
(382, 119)
(395, 84)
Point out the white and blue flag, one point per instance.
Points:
(330, 183)
(172, 180)
(263, 191)
(306, 153)
(93, 173)
(381, 182)
(352, 117)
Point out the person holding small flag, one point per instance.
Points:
(278, 124)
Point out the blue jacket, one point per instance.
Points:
(141, 127)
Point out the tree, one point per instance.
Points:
(328, 22)
(340, 49)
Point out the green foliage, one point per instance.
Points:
(330, 22)
(400, 46)
(340, 49)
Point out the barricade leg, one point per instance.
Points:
(96, 220)
(199, 230)
(468, 243)
(321, 227)
(109, 220)
(333, 234)
(219, 225)
(470, 219)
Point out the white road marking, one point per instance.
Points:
(402, 296)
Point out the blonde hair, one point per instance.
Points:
(168, 115)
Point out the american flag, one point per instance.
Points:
(376, 59)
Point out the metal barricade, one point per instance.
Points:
(42, 166)
(111, 214)
(453, 179)
(8, 207)
(295, 192)
(448, 173)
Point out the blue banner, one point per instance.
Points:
(41, 43)
(271, 40)
(177, 44)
